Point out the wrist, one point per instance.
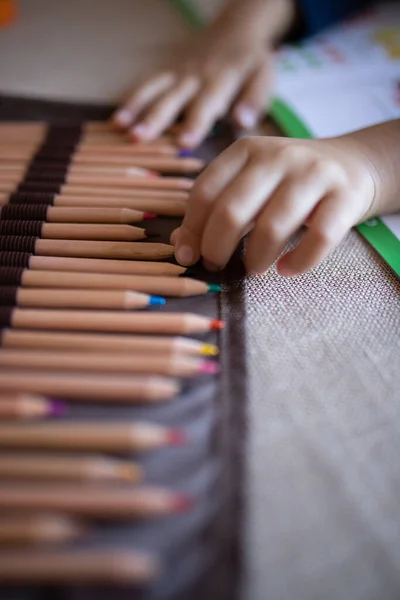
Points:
(378, 148)
(262, 21)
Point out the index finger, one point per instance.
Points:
(204, 194)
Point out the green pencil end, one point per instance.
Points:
(213, 287)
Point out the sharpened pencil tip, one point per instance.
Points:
(57, 408)
(213, 287)
(157, 301)
(150, 233)
(185, 152)
(147, 216)
(209, 367)
(183, 503)
(177, 437)
(217, 325)
(209, 350)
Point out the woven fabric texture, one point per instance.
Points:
(323, 475)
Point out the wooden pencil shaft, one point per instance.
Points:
(73, 231)
(90, 388)
(23, 407)
(26, 148)
(158, 162)
(159, 194)
(40, 528)
(94, 342)
(131, 182)
(81, 436)
(40, 466)
(167, 208)
(113, 322)
(169, 365)
(116, 267)
(102, 191)
(103, 502)
(77, 566)
(165, 286)
(92, 249)
(55, 214)
(68, 298)
(87, 167)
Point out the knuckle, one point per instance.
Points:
(273, 231)
(323, 168)
(291, 154)
(230, 218)
(325, 237)
(202, 193)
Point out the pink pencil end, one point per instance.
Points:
(209, 367)
(57, 408)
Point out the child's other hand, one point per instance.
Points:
(271, 187)
(227, 68)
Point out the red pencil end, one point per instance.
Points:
(217, 325)
(147, 216)
(177, 437)
(183, 503)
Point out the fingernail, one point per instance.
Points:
(123, 117)
(188, 140)
(285, 270)
(211, 266)
(141, 131)
(184, 255)
(246, 117)
(185, 153)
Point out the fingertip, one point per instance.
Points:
(189, 140)
(185, 255)
(284, 267)
(245, 116)
(122, 118)
(141, 132)
(174, 236)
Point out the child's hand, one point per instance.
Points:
(271, 187)
(228, 67)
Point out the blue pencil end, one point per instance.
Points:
(185, 153)
(157, 301)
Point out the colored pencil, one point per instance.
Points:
(75, 231)
(84, 148)
(78, 436)
(111, 321)
(94, 342)
(83, 191)
(100, 502)
(41, 466)
(68, 298)
(89, 265)
(172, 365)
(55, 214)
(87, 249)
(128, 164)
(126, 389)
(86, 566)
(168, 208)
(41, 528)
(16, 406)
(23, 169)
(165, 286)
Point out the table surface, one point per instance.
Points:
(323, 484)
